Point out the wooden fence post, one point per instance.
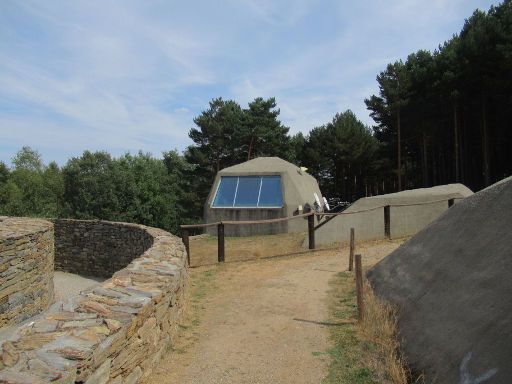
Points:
(311, 231)
(220, 239)
(184, 238)
(351, 254)
(450, 202)
(387, 221)
(359, 288)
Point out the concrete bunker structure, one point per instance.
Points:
(451, 284)
(409, 212)
(260, 189)
(112, 332)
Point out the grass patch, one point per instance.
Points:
(363, 353)
(202, 283)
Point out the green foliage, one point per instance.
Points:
(341, 154)
(28, 159)
(133, 188)
(139, 189)
(262, 134)
(215, 146)
(30, 188)
(89, 189)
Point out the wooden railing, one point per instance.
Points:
(220, 231)
(185, 234)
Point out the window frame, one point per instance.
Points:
(236, 191)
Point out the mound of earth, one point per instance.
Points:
(452, 283)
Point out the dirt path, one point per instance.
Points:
(262, 321)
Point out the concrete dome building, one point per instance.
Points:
(260, 189)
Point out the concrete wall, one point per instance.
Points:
(405, 220)
(409, 220)
(26, 268)
(233, 214)
(368, 225)
(97, 248)
(112, 333)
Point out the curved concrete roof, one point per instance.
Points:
(261, 165)
(299, 186)
(411, 196)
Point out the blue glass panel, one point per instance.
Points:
(271, 195)
(225, 192)
(247, 192)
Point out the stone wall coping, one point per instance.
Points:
(110, 332)
(18, 227)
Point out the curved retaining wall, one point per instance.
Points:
(112, 333)
(26, 268)
(97, 248)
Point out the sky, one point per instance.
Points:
(124, 76)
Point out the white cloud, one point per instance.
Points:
(132, 75)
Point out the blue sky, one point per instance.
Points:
(131, 75)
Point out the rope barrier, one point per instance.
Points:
(382, 206)
(269, 221)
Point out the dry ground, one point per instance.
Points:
(67, 285)
(259, 321)
(203, 248)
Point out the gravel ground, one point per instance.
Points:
(67, 285)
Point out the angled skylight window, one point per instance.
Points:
(226, 193)
(270, 194)
(249, 192)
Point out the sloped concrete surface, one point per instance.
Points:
(453, 285)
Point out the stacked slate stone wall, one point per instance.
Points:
(97, 248)
(111, 333)
(26, 268)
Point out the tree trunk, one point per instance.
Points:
(485, 146)
(434, 168)
(462, 148)
(456, 142)
(443, 170)
(399, 162)
(425, 160)
(249, 152)
(354, 189)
